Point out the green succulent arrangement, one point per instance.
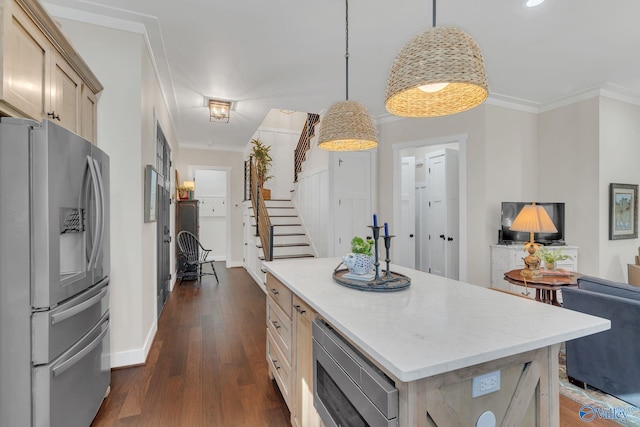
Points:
(552, 256)
(362, 246)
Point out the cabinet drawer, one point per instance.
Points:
(303, 309)
(280, 327)
(280, 293)
(279, 367)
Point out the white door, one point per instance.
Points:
(407, 227)
(422, 233)
(211, 191)
(443, 215)
(352, 189)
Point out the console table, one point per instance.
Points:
(546, 286)
(509, 257)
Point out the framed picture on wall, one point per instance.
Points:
(150, 193)
(623, 211)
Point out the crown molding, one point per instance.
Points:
(607, 90)
(211, 147)
(124, 20)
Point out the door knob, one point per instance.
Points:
(450, 239)
(410, 235)
(442, 236)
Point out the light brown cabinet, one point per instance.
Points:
(43, 77)
(279, 337)
(290, 351)
(64, 93)
(303, 414)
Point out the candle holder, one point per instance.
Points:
(387, 246)
(376, 236)
(390, 282)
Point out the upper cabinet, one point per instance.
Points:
(43, 77)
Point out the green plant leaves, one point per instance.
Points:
(362, 246)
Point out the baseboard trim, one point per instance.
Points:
(135, 357)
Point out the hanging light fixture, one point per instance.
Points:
(347, 125)
(438, 72)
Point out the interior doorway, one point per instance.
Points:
(212, 190)
(453, 263)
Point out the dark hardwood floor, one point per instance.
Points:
(207, 365)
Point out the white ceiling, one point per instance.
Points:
(289, 54)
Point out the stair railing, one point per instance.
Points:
(248, 164)
(304, 143)
(264, 229)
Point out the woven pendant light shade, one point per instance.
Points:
(347, 126)
(438, 55)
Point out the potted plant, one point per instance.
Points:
(260, 153)
(183, 192)
(361, 259)
(550, 257)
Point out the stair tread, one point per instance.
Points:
(290, 256)
(285, 245)
(279, 216)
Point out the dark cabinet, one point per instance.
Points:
(186, 219)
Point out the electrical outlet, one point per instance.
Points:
(485, 384)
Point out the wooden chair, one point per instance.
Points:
(195, 255)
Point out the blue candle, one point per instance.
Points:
(375, 220)
(386, 229)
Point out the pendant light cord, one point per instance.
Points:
(346, 48)
(434, 13)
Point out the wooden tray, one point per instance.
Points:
(396, 282)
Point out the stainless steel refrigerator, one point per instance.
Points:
(54, 276)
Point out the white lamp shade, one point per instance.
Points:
(533, 219)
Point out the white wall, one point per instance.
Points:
(568, 162)
(312, 200)
(126, 133)
(283, 143)
(500, 145)
(619, 160)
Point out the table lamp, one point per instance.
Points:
(533, 219)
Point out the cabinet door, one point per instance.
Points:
(303, 414)
(66, 88)
(26, 62)
(88, 114)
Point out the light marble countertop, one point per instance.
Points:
(436, 325)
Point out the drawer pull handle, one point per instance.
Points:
(273, 291)
(275, 324)
(275, 364)
(297, 307)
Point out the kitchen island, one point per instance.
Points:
(432, 339)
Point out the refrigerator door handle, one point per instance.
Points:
(94, 180)
(63, 315)
(102, 209)
(62, 366)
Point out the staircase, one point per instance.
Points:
(289, 237)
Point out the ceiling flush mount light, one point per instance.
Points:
(219, 111)
(438, 72)
(347, 125)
